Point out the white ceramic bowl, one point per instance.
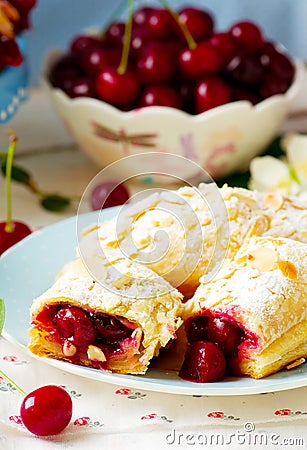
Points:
(221, 140)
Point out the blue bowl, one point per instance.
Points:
(13, 87)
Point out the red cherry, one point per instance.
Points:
(93, 59)
(114, 34)
(83, 41)
(161, 95)
(204, 361)
(277, 62)
(187, 93)
(211, 92)
(160, 23)
(225, 44)
(108, 194)
(226, 334)
(156, 64)
(80, 87)
(200, 61)
(245, 68)
(115, 88)
(198, 329)
(9, 238)
(47, 410)
(199, 22)
(272, 85)
(140, 16)
(140, 36)
(11, 231)
(242, 93)
(74, 324)
(63, 79)
(248, 33)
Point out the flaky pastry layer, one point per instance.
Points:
(124, 290)
(184, 234)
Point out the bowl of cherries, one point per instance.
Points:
(166, 81)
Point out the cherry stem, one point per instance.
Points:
(21, 391)
(189, 38)
(127, 38)
(9, 228)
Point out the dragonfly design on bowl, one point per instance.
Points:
(122, 137)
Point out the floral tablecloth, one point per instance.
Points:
(107, 416)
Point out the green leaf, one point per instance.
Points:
(2, 314)
(18, 174)
(55, 202)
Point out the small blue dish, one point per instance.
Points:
(13, 87)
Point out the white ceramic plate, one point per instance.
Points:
(29, 268)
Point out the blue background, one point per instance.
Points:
(55, 22)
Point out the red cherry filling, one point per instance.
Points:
(198, 329)
(213, 349)
(109, 328)
(75, 329)
(204, 361)
(226, 334)
(74, 324)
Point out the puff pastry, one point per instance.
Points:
(117, 321)
(263, 292)
(184, 234)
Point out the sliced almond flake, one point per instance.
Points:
(258, 226)
(69, 349)
(288, 269)
(122, 281)
(89, 230)
(191, 227)
(274, 199)
(113, 244)
(145, 241)
(95, 353)
(166, 221)
(248, 200)
(296, 363)
(295, 205)
(113, 261)
(263, 258)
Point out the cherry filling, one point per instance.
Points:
(78, 330)
(213, 349)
